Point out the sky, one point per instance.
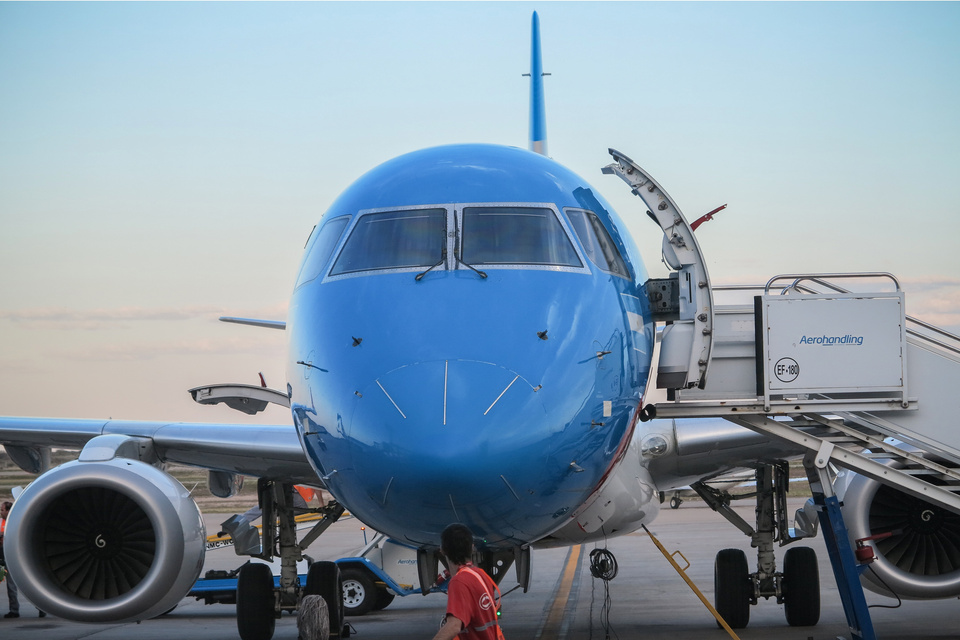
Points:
(162, 164)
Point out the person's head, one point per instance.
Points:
(456, 543)
(5, 509)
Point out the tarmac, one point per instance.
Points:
(647, 598)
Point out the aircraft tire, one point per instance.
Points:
(675, 502)
(801, 587)
(325, 580)
(732, 588)
(384, 598)
(359, 593)
(255, 614)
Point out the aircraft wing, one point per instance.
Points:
(265, 451)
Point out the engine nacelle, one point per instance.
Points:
(107, 541)
(922, 559)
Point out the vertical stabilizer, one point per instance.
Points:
(538, 118)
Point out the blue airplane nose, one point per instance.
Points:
(455, 401)
(461, 431)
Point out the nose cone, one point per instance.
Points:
(453, 401)
(452, 430)
(458, 398)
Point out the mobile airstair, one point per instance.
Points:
(829, 362)
(783, 367)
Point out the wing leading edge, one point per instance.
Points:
(264, 451)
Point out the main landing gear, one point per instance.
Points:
(259, 602)
(797, 587)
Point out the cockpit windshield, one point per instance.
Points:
(322, 248)
(394, 240)
(597, 243)
(452, 237)
(515, 235)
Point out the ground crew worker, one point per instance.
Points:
(12, 592)
(472, 596)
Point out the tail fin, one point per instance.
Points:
(538, 117)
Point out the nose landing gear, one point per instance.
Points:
(797, 587)
(259, 601)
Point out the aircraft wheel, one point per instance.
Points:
(359, 594)
(801, 587)
(675, 502)
(324, 579)
(384, 598)
(255, 602)
(732, 587)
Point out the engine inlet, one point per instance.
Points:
(99, 543)
(926, 538)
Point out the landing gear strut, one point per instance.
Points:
(259, 603)
(797, 587)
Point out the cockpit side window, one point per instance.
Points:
(515, 235)
(597, 243)
(322, 248)
(394, 240)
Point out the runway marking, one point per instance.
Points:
(556, 623)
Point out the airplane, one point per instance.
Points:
(470, 340)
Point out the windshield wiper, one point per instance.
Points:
(443, 258)
(482, 274)
(423, 273)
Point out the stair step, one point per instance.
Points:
(842, 439)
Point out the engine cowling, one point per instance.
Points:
(921, 560)
(107, 541)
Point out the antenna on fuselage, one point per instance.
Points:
(538, 114)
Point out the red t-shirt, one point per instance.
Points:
(472, 604)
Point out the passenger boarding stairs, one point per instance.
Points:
(829, 362)
(904, 434)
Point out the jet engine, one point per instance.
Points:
(921, 559)
(105, 541)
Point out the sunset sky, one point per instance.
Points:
(162, 164)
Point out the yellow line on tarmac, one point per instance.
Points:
(551, 627)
